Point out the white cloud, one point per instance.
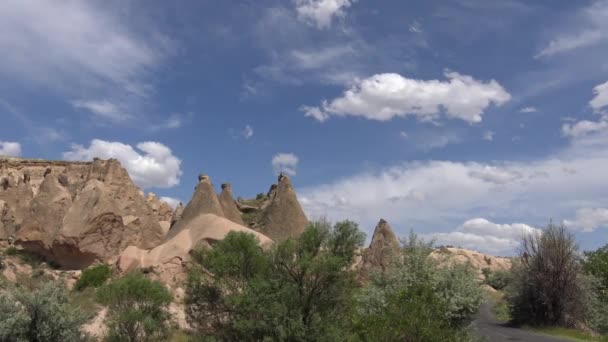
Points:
(589, 219)
(247, 132)
(172, 202)
(601, 97)
(486, 236)
(76, 44)
(590, 28)
(154, 165)
(102, 108)
(385, 96)
(11, 149)
(529, 109)
(286, 163)
(435, 196)
(584, 127)
(320, 13)
(488, 135)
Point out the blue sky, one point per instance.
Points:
(468, 121)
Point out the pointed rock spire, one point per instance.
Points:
(383, 247)
(283, 217)
(229, 207)
(204, 201)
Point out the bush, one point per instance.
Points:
(300, 290)
(12, 250)
(546, 288)
(497, 279)
(94, 277)
(41, 315)
(596, 264)
(137, 308)
(416, 300)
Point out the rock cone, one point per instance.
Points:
(383, 248)
(283, 216)
(229, 207)
(204, 201)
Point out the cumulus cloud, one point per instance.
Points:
(320, 13)
(151, 164)
(172, 202)
(383, 97)
(601, 97)
(584, 127)
(436, 196)
(11, 149)
(486, 236)
(589, 219)
(286, 163)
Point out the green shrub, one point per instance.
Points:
(415, 300)
(12, 250)
(137, 308)
(94, 277)
(300, 290)
(498, 279)
(40, 315)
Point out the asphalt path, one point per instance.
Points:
(487, 325)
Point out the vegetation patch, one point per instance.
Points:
(94, 276)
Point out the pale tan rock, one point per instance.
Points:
(97, 328)
(161, 209)
(283, 216)
(177, 214)
(95, 224)
(477, 261)
(204, 201)
(228, 204)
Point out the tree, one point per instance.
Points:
(300, 290)
(546, 288)
(93, 277)
(42, 315)
(596, 264)
(417, 300)
(137, 308)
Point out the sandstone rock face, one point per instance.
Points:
(162, 210)
(229, 207)
(383, 248)
(177, 214)
(169, 259)
(477, 261)
(204, 201)
(75, 213)
(282, 216)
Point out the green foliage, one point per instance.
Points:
(300, 290)
(137, 308)
(596, 264)
(12, 250)
(260, 196)
(40, 315)
(497, 279)
(94, 277)
(415, 300)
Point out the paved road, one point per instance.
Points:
(488, 326)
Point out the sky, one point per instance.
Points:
(468, 121)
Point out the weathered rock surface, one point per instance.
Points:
(475, 260)
(75, 213)
(162, 210)
(177, 214)
(204, 201)
(282, 216)
(383, 247)
(168, 260)
(228, 204)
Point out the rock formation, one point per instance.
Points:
(162, 210)
(204, 201)
(476, 261)
(75, 213)
(383, 248)
(177, 214)
(229, 207)
(282, 215)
